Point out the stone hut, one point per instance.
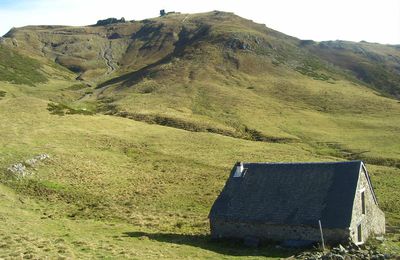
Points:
(286, 202)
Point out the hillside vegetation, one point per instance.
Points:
(375, 64)
(19, 69)
(143, 120)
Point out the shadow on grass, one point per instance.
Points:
(225, 247)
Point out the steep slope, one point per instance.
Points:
(22, 69)
(19, 69)
(374, 64)
(95, 51)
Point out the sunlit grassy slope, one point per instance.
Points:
(375, 64)
(118, 187)
(139, 153)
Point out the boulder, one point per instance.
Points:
(18, 170)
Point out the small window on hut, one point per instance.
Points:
(359, 233)
(363, 202)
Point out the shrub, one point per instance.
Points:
(63, 109)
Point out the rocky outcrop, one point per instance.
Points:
(111, 20)
(114, 36)
(349, 252)
(41, 157)
(18, 170)
(10, 33)
(22, 169)
(236, 43)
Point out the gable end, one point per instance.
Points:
(363, 169)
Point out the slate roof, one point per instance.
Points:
(290, 193)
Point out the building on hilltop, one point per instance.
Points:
(286, 201)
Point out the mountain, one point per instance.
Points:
(119, 47)
(206, 63)
(142, 121)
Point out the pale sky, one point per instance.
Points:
(353, 20)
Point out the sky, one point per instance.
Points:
(319, 20)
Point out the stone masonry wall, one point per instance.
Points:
(373, 221)
(225, 229)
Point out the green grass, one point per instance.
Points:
(19, 69)
(2, 94)
(141, 194)
(117, 170)
(136, 162)
(33, 231)
(371, 63)
(63, 109)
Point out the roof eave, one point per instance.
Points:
(362, 167)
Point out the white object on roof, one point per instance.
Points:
(239, 170)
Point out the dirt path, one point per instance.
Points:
(184, 19)
(107, 56)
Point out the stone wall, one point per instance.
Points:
(226, 229)
(373, 221)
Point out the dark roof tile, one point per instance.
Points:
(290, 193)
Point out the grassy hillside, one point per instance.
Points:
(19, 69)
(134, 49)
(142, 143)
(374, 64)
(32, 231)
(123, 183)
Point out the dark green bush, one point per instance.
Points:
(63, 109)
